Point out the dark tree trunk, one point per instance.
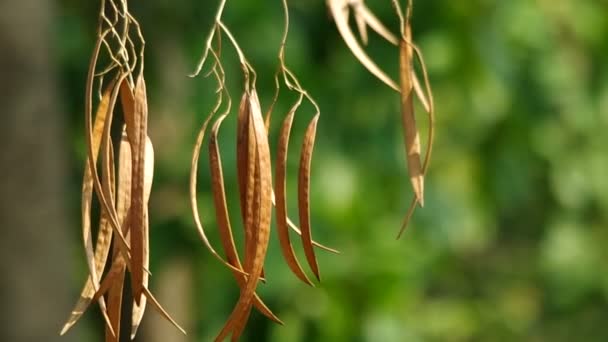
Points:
(34, 258)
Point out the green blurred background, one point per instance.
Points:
(510, 244)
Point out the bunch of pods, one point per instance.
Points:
(122, 186)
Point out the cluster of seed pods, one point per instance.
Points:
(409, 83)
(257, 194)
(122, 187)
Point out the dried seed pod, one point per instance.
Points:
(96, 259)
(281, 200)
(104, 190)
(137, 127)
(340, 11)
(245, 155)
(412, 137)
(223, 220)
(138, 310)
(304, 195)
(122, 206)
(262, 205)
(194, 201)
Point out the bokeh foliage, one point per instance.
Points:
(510, 245)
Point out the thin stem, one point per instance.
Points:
(246, 66)
(201, 62)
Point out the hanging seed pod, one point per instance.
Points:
(262, 211)
(137, 126)
(304, 195)
(122, 202)
(281, 205)
(124, 221)
(411, 135)
(97, 258)
(223, 219)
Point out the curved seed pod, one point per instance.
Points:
(219, 197)
(95, 259)
(245, 156)
(281, 201)
(122, 207)
(304, 194)
(137, 127)
(340, 12)
(98, 129)
(139, 309)
(194, 201)
(223, 219)
(103, 190)
(264, 197)
(412, 137)
(430, 139)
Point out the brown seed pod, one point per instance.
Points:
(223, 220)
(262, 205)
(281, 200)
(137, 127)
(122, 206)
(412, 137)
(304, 195)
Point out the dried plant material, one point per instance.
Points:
(407, 52)
(340, 10)
(156, 305)
(138, 310)
(299, 232)
(194, 201)
(96, 260)
(246, 171)
(96, 136)
(252, 214)
(410, 84)
(292, 83)
(420, 93)
(430, 138)
(254, 176)
(281, 205)
(115, 306)
(115, 292)
(367, 18)
(314, 243)
(304, 195)
(361, 24)
(221, 209)
(412, 137)
(122, 207)
(136, 125)
(218, 72)
(124, 216)
(263, 207)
